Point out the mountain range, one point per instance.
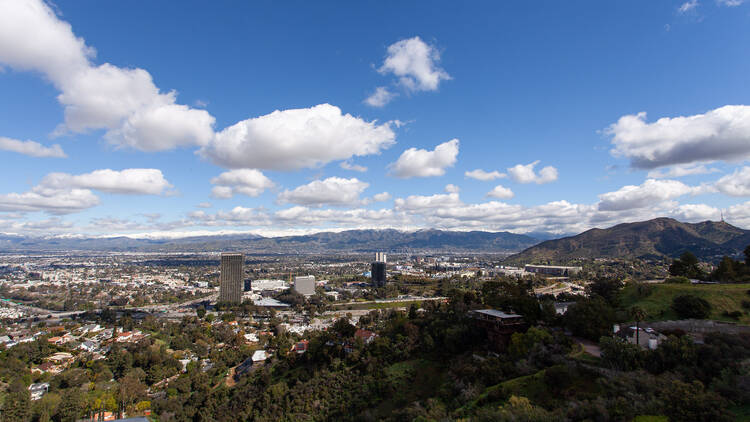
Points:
(653, 239)
(356, 241)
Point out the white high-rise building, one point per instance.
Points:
(305, 285)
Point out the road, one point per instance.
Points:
(41, 312)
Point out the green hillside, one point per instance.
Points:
(653, 239)
(722, 297)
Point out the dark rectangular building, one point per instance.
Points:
(231, 277)
(378, 274)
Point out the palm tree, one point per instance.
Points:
(638, 314)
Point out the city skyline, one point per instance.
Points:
(150, 120)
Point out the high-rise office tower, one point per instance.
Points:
(377, 270)
(231, 277)
(305, 285)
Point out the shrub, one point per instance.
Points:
(677, 280)
(590, 318)
(746, 304)
(690, 306)
(621, 355)
(733, 314)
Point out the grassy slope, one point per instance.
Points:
(410, 381)
(722, 297)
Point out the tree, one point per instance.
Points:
(131, 389)
(201, 312)
(72, 405)
(521, 343)
(690, 306)
(17, 404)
(621, 355)
(687, 266)
(344, 328)
(638, 314)
(590, 318)
(605, 287)
(727, 270)
(691, 402)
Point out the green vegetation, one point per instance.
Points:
(376, 305)
(687, 266)
(730, 270)
(657, 300)
(435, 364)
(690, 306)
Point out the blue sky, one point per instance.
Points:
(173, 118)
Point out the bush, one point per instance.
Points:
(644, 290)
(590, 318)
(734, 314)
(690, 306)
(558, 378)
(621, 355)
(677, 280)
(746, 304)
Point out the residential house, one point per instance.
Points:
(366, 336)
(37, 390)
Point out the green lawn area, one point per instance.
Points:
(722, 297)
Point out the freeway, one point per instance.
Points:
(41, 312)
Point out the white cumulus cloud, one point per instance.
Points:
(681, 170)
(735, 184)
(380, 97)
(124, 102)
(346, 165)
(419, 202)
(720, 134)
(31, 148)
(524, 173)
(297, 138)
(128, 181)
(649, 193)
(415, 63)
(484, 176)
(52, 201)
(500, 192)
(422, 163)
(381, 197)
(250, 182)
(332, 191)
(451, 188)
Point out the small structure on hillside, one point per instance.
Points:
(646, 337)
(499, 326)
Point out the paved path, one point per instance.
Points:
(589, 347)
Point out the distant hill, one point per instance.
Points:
(657, 238)
(326, 242)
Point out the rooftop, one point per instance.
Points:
(495, 313)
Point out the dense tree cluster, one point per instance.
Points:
(687, 265)
(428, 363)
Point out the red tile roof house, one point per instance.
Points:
(44, 367)
(366, 336)
(300, 347)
